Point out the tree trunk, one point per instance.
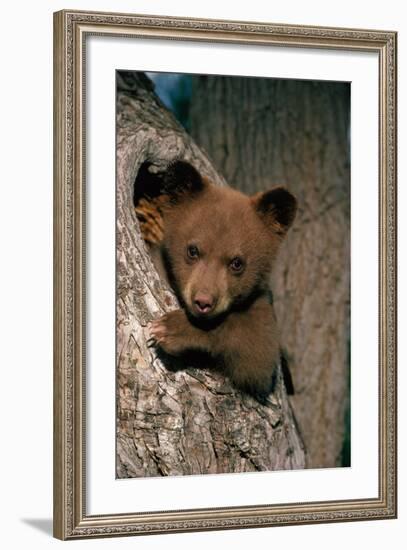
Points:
(264, 132)
(188, 421)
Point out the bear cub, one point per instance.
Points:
(218, 250)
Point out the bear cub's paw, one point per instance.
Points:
(169, 332)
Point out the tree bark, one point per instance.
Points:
(188, 421)
(264, 132)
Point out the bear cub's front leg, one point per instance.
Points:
(175, 335)
(245, 344)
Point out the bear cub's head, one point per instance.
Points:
(219, 244)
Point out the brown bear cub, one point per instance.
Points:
(218, 248)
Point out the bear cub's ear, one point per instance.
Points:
(277, 208)
(181, 179)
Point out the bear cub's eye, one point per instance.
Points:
(192, 252)
(236, 264)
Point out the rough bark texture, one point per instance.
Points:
(190, 421)
(263, 132)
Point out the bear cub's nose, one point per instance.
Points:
(204, 303)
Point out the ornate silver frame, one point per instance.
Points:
(70, 518)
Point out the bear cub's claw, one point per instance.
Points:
(167, 332)
(157, 330)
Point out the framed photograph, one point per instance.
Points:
(225, 274)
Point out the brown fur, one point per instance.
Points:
(150, 219)
(222, 282)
